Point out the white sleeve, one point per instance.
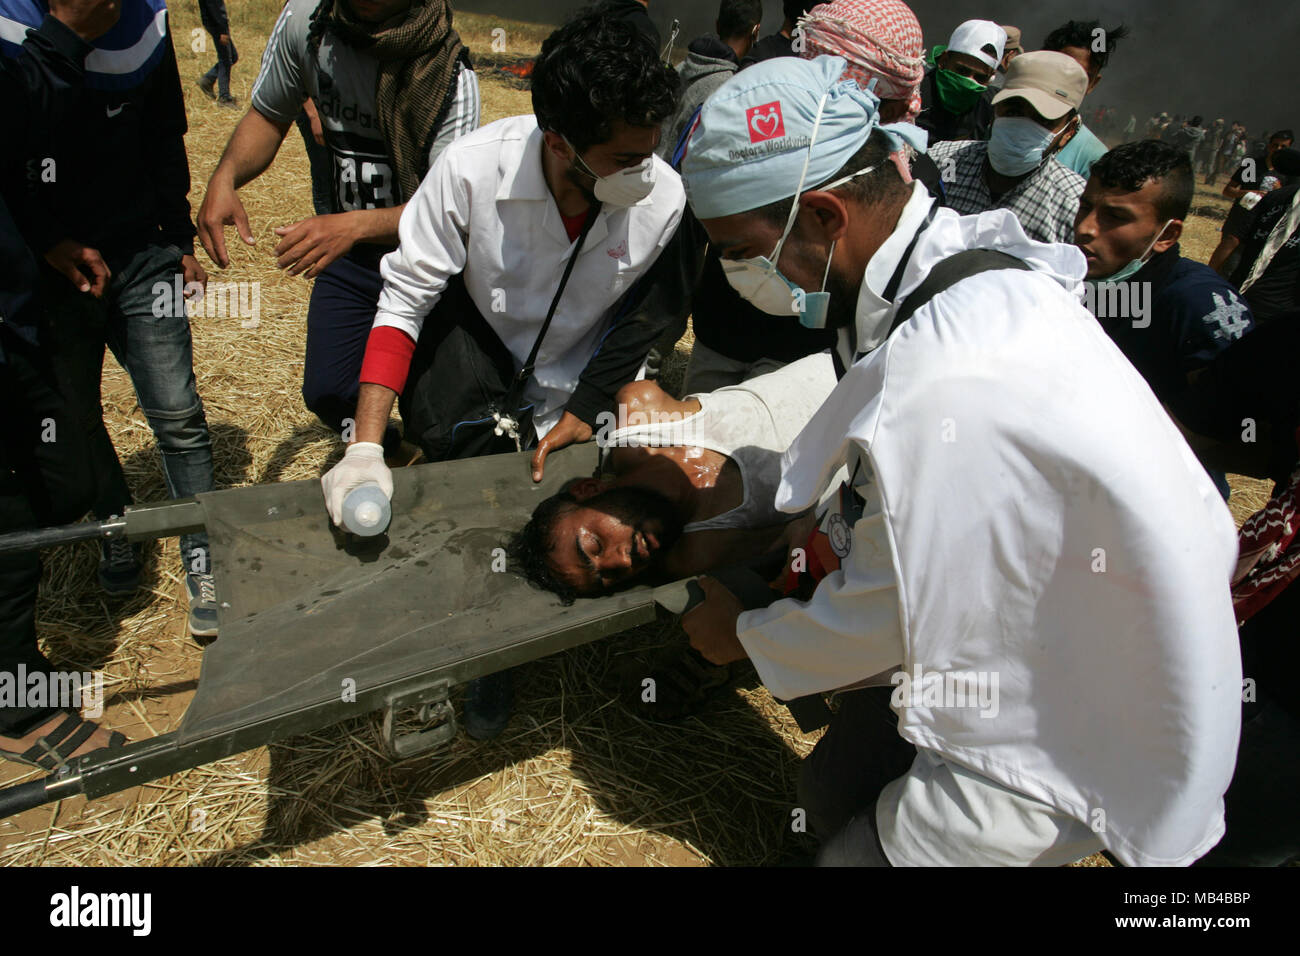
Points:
(462, 116)
(433, 234)
(847, 632)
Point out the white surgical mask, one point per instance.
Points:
(627, 187)
(1017, 145)
(760, 282)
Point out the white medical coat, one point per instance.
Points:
(1045, 521)
(484, 209)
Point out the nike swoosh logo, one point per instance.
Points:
(111, 113)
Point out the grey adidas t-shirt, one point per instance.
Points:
(343, 83)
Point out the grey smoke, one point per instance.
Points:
(1224, 58)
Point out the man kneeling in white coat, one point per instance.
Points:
(1028, 557)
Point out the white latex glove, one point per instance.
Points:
(362, 462)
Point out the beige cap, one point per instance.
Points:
(1052, 83)
(1013, 39)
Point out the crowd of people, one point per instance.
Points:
(953, 440)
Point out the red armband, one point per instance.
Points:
(388, 358)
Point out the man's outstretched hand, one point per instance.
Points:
(221, 207)
(711, 624)
(308, 246)
(569, 429)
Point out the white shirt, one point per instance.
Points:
(484, 209)
(1032, 514)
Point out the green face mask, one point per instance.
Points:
(958, 94)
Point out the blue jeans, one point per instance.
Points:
(220, 72)
(157, 352)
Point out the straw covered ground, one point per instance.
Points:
(577, 778)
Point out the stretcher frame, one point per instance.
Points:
(426, 688)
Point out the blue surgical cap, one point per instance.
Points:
(751, 140)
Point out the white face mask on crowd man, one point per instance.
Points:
(1040, 91)
(626, 187)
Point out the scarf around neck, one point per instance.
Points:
(418, 57)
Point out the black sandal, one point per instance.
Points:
(53, 750)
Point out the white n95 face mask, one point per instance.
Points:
(627, 187)
(760, 282)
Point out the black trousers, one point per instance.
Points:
(840, 780)
(1260, 805)
(44, 480)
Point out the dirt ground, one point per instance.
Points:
(577, 778)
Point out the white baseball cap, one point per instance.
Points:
(982, 39)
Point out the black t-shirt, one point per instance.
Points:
(1278, 289)
(769, 47)
(1254, 173)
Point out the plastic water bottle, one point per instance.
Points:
(366, 511)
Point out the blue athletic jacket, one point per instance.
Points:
(37, 85)
(113, 174)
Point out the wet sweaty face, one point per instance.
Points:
(610, 539)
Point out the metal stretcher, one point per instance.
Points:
(317, 626)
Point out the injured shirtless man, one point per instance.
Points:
(686, 486)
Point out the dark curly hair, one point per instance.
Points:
(527, 550)
(595, 70)
(793, 10)
(738, 17)
(1131, 165)
(1080, 33)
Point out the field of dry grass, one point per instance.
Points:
(576, 778)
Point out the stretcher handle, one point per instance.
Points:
(20, 542)
(140, 522)
(22, 797)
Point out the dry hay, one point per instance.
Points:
(576, 779)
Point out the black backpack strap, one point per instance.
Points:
(948, 273)
(526, 371)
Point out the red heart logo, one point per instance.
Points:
(765, 122)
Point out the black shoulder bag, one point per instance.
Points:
(462, 397)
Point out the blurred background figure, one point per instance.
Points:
(217, 23)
